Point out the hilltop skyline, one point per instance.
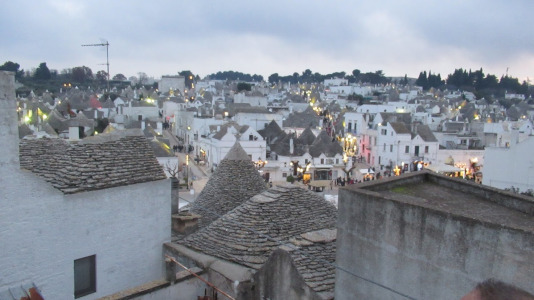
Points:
(277, 37)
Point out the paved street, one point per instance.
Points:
(200, 174)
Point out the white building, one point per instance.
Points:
(335, 82)
(71, 230)
(254, 99)
(214, 147)
(170, 82)
(513, 166)
(393, 144)
(256, 117)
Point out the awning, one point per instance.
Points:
(367, 171)
(443, 168)
(321, 166)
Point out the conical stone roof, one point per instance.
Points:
(235, 181)
(307, 137)
(248, 234)
(324, 144)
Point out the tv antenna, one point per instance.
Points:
(106, 44)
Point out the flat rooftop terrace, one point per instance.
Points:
(456, 197)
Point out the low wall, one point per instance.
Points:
(423, 253)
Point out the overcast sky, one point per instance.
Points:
(164, 37)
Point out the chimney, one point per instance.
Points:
(142, 125)
(74, 129)
(74, 133)
(291, 146)
(9, 133)
(175, 195)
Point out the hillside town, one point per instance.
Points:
(309, 133)
(256, 190)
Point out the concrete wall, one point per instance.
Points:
(280, 280)
(422, 253)
(42, 231)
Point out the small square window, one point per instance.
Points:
(284, 175)
(84, 276)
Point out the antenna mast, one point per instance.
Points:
(107, 56)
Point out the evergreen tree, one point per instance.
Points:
(422, 80)
(42, 72)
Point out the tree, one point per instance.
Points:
(102, 76)
(404, 81)
(173, 168)
(189, 78)
(422, 80)
(119, 77)
(12, 67)
(82, 74)
(42, 72)
(243, 86)
(274, 78)
(348, 169)
(355, 97)
(143, 78)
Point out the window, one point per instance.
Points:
(407, 149)
(426, 149)
(322, 161)
(384, 131)
(384, 147)
(84, 276)
(284, 175)
(251, 137)
(390, 148)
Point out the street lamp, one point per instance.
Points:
(260, 163)
(187, 170)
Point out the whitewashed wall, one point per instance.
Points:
(43, 232)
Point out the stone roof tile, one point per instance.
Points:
(248, 234)
(92, 164)
(235, 181)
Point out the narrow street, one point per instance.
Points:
(199, 173)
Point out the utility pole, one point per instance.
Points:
(107, 55)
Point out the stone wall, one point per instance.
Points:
(9, 132)
(421, 252)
